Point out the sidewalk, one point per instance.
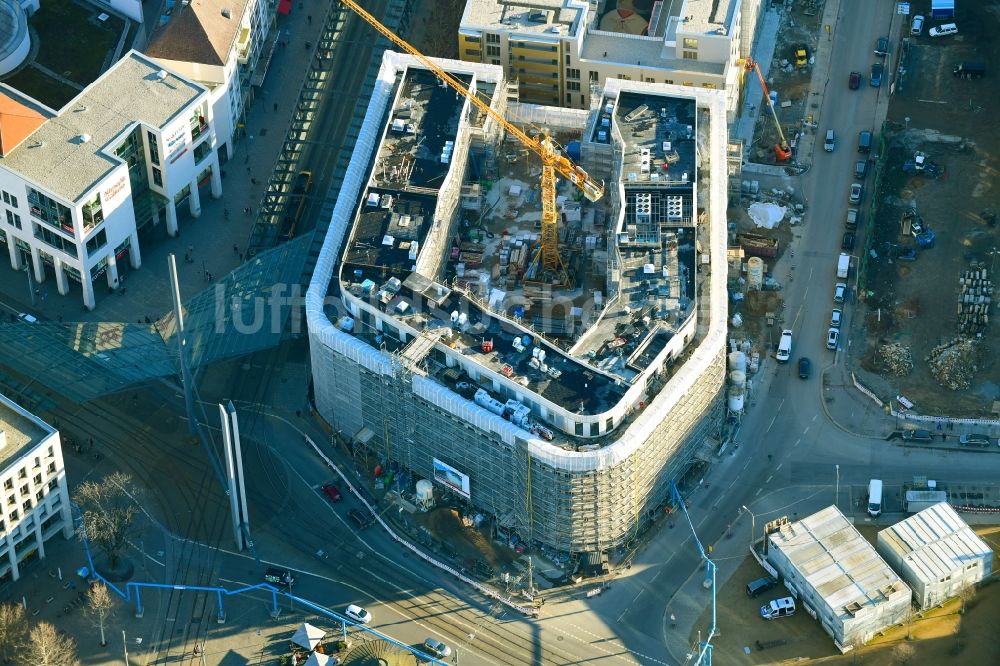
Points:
(216, 241)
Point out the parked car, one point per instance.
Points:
(437, 648)
(836, 317)
(975, 440)
(864, 141)
(917, 26)
(778, 608)
(838, 292)
(331, 491)
(855, 196)
(882, 46)
(852, 218)
(847, 242)
(359, 518)
(861, 169)
(764, 584)
(358, 614)
(876, 77)
(854, 80)
(918, 436)
(805, 367)
(832, 336)
(943, 30)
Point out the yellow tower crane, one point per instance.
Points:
(543, 145)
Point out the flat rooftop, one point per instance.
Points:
(839, 563)
(708, 16)
(934, 542)
(537, 17)
(22, 431)
(57, 157)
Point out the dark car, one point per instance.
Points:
(877, 70)
(760, 585)
(861, 169)
(331, 491)
(805, 367)
(918, 436)
(359, 518)
(854, 80)
(848, 241)
(975, 440)
(882, 47)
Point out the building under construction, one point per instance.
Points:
(440, 343)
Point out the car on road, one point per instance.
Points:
(277, 576)
(359, 518)
(437, 649)
(805, 367)
(760, 585)
(27, 318)
(831, 141)
(882, 47)
(854, 80)
(918, 436)
(876, 76)
(836, 317)
(778, 608)
(358, 614)
(855, 196)
(331, 491)
(975, 440)
(839, 291)
(847, 242)
(784, 346)
(832, 336)
(861, 169)
(917, 27)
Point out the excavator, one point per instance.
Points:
(782, 151)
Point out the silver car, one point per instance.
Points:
(855, 193)
(437, 648)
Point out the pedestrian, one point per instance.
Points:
(308, 45)
(275, 107)
(249, 171)
(236, 249)
(309, 19)
(253, 181)
(250, 209)
(225, 213)
(241, 257)
(190, 249)
(209, 277)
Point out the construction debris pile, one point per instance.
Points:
(954, 363)
(975, 293)
(894, 359)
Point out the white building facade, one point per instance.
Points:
(36, 496)
(224, 46)
(78, 184)
(937, 553)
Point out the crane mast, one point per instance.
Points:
(553, 160)
(782, 151)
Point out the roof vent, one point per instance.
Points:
(83, 138)
(82, 108)
(36, 144)
(161, 75)
(226, 12)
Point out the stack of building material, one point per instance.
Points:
(894, 359)
(975, 294)
(954, 363)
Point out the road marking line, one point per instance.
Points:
(815, 416)
(796, 442)
(758, 492)
(778, 467)
(806, 430)
(772, 424)
(769, 479)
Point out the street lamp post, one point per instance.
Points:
(836, 497)
(753, 525)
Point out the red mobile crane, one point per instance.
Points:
(782, 151)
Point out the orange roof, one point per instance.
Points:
(17, 123)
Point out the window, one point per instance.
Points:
(37, 480)
(492, 51)
(492, 39)
(13, 220)
(649, 80)
(473, 53)
(37, 463)
(22, 473)
(6, 198)
(8, 484)
(495, 61)
(93, 213)
(13, 201)
(39, 495)
(572, 73)
(579, 428)
(154, 148)
(14, 515)
(50, 211)
(52, 484)
(609, 425)
(690, 43)
(99, 240)
(710, 86)
(51, 469)
(595, 429)
(11, 501)
(24, 489)
(669, 82)
(27, 505)
(690, 55)
(573, 85)
(50, 452)
(157, 177)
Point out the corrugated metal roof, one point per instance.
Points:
(833, 558)
(934, 542)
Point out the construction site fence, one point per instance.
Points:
(529, 611)
(907, 415)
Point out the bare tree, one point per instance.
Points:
(13, 628)
(903, 653)
(48, 647)
(109, 509)
(966, 594)
(100, 602)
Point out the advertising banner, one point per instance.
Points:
(451, 477)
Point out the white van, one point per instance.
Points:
(943, 30)
(874, 498)
(785, 346)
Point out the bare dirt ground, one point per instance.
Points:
(800, 26)
(468, 543)
(433, 30)
(916, 302)
(941, 635)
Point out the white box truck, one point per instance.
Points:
(784, 346)
(874, 498)
(843, 265)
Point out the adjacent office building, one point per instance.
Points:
(937, 553)
(81, 184)
(558, 51)
(36, 498)
(563, 415)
